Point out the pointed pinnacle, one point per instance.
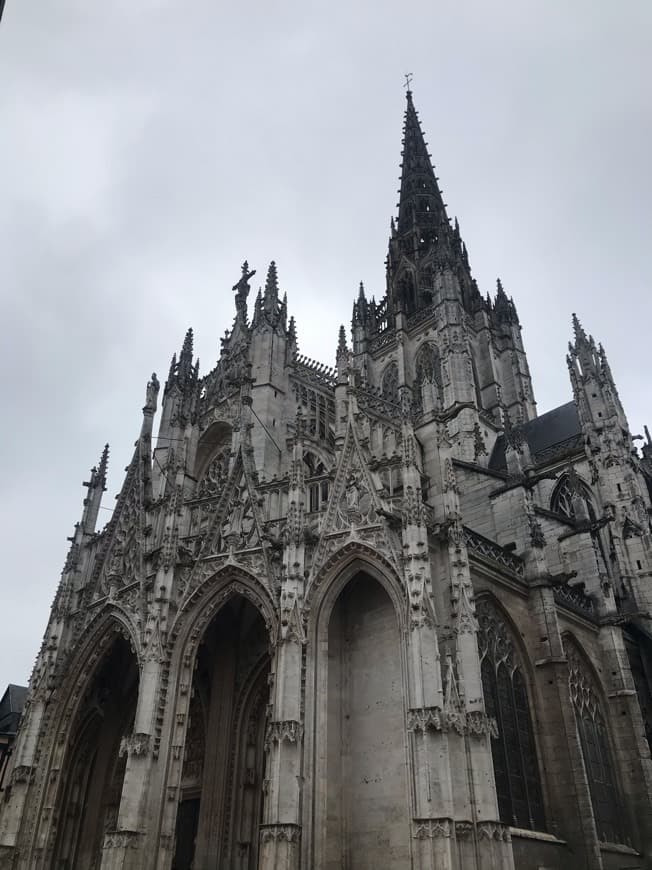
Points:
(361, 295)
(271, 284)
(580, 335)
(104, 462)
(292, 329)
(499, 288)
(186, 350)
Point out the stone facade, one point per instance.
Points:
(379, 615)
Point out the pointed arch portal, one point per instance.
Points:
(95, 766)
(367, 823)
(221, 795)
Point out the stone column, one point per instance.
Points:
(19, 781)
(567, 786)
(125, 847)
(280, 833)
(631, 748)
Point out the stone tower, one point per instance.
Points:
(380, 615)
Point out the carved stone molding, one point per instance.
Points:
(288, 833)
(463, 830)
(288, 730)
(475, 722)
(23, 773)
(494, 831)
(122, 840)
(479, 724)
(136, 745)
(428, 829)
(426, 718)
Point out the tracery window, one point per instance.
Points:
(516, 769)
(389, 387)
(569, 487)
(427, 369)
(594, 741)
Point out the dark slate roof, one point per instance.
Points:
(11, 706)
(551, 435)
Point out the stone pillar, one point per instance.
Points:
(124, 847)
(631, 748)
(19, 781)
(280, 833)
(566, 784)
(430, 773)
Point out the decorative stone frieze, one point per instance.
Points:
(122, 840)
(463, 830)
(474, 722)
(493, 831)
(135, 745)
(288, 833)
(22, 773)
(288, 730)
(428, 829)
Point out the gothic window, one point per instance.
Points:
(569, 487)
(516, 768)
(390, 384)
(392, 480)
(594, 741)
(427, 369)
(317, 481)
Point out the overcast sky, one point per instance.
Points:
(147, 147)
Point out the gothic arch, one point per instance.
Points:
(230, 586)
(325, 586)
(389, 383)
(593, 729)
(218, 435)
(356, 656)
(95, 714)
(212, 590)
(507, 689)
(570, 485)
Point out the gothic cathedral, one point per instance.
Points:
(380, 616)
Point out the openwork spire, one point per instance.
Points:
(423, 244)
(420, 202)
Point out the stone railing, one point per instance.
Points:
(386, 338)
(575, 598)
(375, 403)
(493, 552)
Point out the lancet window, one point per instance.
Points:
(516, 768)
(568, 488)
(594, 740)
(427, 370)
(389, 387)
(319, 412)
(318, 482)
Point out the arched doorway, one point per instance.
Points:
(95, 768)
(221, 798)
(367, 815)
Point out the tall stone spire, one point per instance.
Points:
(422, 241)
